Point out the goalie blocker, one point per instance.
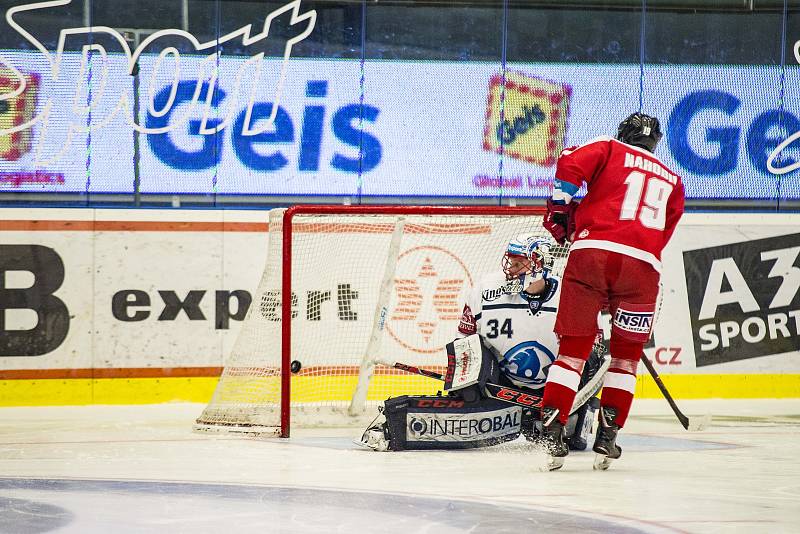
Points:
(467, 417)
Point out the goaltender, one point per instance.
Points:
(505, 338)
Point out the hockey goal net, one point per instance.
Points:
(368, 284)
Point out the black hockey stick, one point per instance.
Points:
(417, 371)
(692, 424)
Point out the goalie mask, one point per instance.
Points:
(528, 259)
(640, 130)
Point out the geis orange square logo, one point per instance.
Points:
(15, 112)
(529, 120)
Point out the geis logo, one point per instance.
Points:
(16, 111)
(93, 68)
(526, 118)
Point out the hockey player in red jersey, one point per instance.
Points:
(632, 205)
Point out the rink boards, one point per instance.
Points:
(143, 306)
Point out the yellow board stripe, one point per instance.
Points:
(56, 392)
(740, 386)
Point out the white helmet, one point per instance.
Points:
(535, 249)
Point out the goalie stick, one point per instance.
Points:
(692, 424)
(516, 396)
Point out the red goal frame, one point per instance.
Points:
(286, 282)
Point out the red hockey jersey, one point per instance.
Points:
(633, 201)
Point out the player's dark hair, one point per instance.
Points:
(640, 130)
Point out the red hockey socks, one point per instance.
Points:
(564, 375)
(619, 383)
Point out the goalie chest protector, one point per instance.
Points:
(434, 422)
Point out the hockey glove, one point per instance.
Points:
(559, 220)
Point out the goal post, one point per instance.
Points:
(362, 285)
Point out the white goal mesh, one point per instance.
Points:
(365, 288)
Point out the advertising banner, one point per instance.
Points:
(158, 293)
(731, 300)
(387, 128)
(107, 289)
(736, 315)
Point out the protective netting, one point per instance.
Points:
(365, 289)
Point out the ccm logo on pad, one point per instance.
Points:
(439, 403)
(518, 396)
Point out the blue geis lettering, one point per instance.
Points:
(162, 145)
(727, 139)
(511, 128)
(262, 151)
(762, 137)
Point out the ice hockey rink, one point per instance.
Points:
(142, 469)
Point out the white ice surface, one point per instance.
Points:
(141, 469)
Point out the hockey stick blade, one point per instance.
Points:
(698, 423)
(694, 424)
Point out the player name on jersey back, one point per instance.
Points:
(648, 165)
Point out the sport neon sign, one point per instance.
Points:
(83, 106)
(788, 141)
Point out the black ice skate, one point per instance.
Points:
(605, 443)
(553, 439)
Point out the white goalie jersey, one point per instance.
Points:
(518, 329)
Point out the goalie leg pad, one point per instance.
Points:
(579, 425)
(436, 423)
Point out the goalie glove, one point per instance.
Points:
(560, 220)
